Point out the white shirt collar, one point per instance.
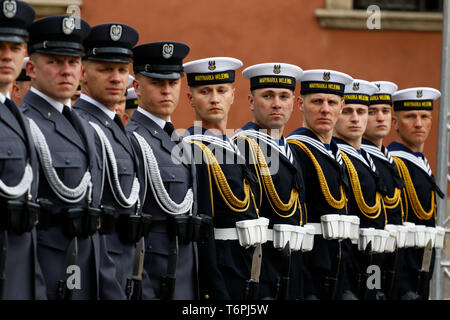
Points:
(55, 104)
(3, 97)
(160, 122)
(108, 112)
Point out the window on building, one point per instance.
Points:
(401, 5)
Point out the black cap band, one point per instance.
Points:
(322, 87)
(55, 45)
(109, 51)
(405, 105)
(201, 79)
(381, 99)
(14, 31)
(357, 98)
(272, 82)
(158, 68)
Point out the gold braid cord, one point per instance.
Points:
(336, 204)
(263, 173)
(223, 187)
(412, 195)
(370, 212)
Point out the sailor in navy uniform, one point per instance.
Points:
(166, 175)
(69, 247)
(224, 265)
(412, 122)
(365, 196)
(21, 85)
(322, 167)
(104, 81)
(280, 196)
(378, 127)
(21, 277)
(131, 103)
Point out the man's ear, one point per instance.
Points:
(83, 77)
(30, 67)
(136, 87)
(189, 97)
(394, 122)
(300, 102)
(342, 106)
(232, 94)
(251, 101)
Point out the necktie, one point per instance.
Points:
(169, 128)
(119, 122)
(10, 104)
(68, 114)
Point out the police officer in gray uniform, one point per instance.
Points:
(69, 246)
(166, 175)
(20, 273)
(104, 81)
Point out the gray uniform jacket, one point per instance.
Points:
(24, 278)
(177, 178)
(73, 152)
(123, 254)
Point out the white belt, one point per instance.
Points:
(231, 234)
(317, 227)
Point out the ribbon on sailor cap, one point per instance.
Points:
(359, 92)
(273, 75)
(213, 70)
(132, 99)
(385, 90)
(419, 98)
(324, 81)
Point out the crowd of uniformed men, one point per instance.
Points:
(92, 208)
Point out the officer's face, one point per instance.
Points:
(272, 107)
(105, 82)
(320, 111)
(11, 60)
(413, 127)
(158, 96)
(352, 122)
(55, 75)
(212, 102)
(20, 88)
(120, 110)
(379, 122)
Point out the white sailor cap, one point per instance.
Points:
(419, 98)
(385, 90)
(213, 70)
(132, 99)
(324, 81)
(359, 92)
(130, 80)
(23, 76)
(273, 75)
